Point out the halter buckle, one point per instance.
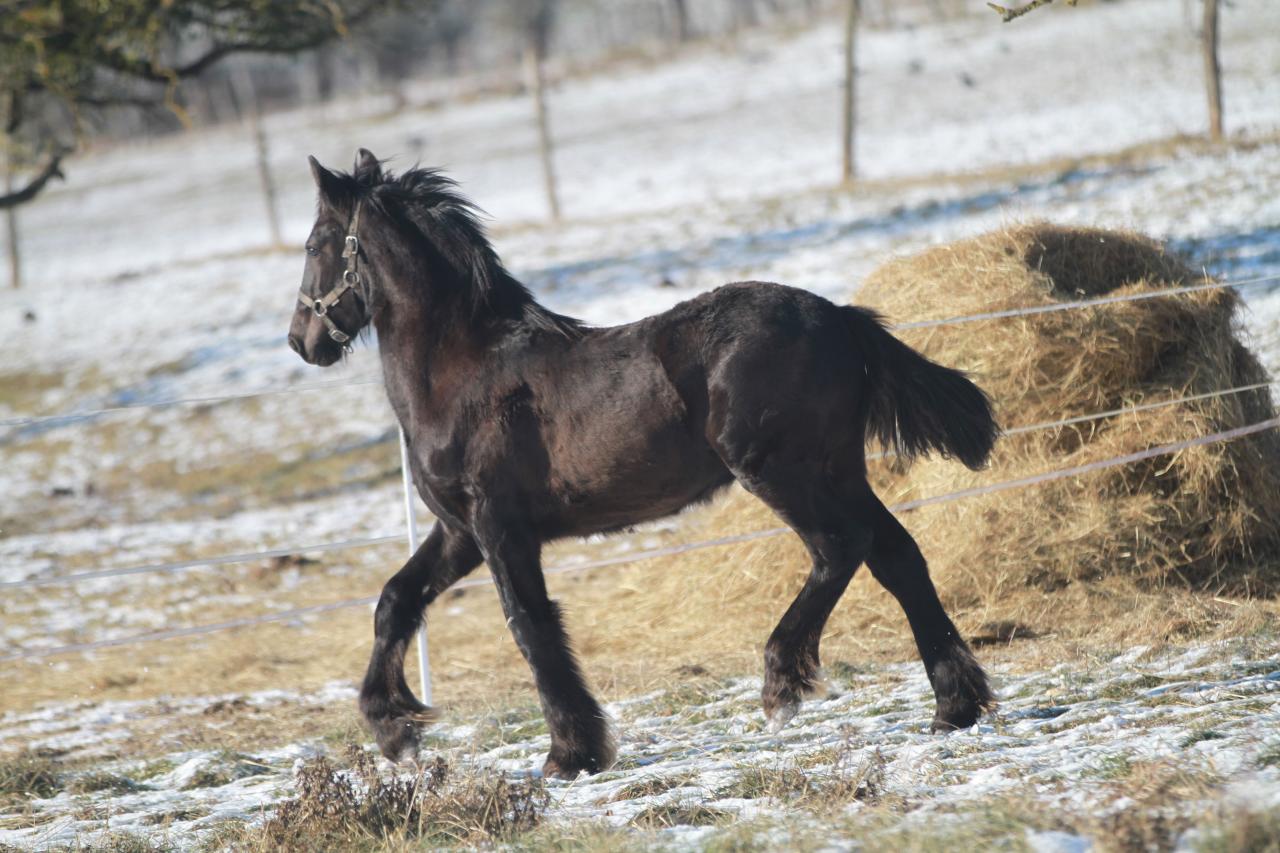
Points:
(351, 278)
(352, 246)
(338, 335)
(319, 307)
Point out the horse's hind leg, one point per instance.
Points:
(386, 701)
(959, 684)
(841, 525)
(791, 662)
(837, 543)
(835, 528)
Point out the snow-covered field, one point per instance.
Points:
(148, 282)
(1187, 737)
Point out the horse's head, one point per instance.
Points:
(334, 302)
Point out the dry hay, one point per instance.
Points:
(1205, 519)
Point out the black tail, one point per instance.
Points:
(914, 405)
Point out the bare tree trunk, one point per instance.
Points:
(1212, 70)
(847, 169)
(247, 95)
(683, 30)
(324, 73)
(12, 245)
(11, 222)
(315, 77)
(537, 88)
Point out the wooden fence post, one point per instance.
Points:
(1212, 70)
(536, 82)
(247, 95)
(847, 166)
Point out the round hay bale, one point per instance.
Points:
(1207, 518)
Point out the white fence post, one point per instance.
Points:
(424, 666)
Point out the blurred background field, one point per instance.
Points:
(683, 157)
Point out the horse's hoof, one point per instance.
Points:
(955, 716)
(568, 762)
(397, 738)
(779, 716)
(395, 723)
(553, 769)
(962, 690)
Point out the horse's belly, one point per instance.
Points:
(634, 499)
(629, 464)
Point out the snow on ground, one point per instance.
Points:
(1078, 741)
(148, 283)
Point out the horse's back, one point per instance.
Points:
(641, 420)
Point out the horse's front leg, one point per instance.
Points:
(581, 738)
(386, 701)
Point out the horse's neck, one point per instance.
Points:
(426, 365)
(433, 356)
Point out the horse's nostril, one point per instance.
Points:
(295, 344)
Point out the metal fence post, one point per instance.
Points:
(411, 521)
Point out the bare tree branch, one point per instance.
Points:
(122, 61)
(107, 101)
(1007, 14)
(31, 190)
(65, 56)
(304, 41)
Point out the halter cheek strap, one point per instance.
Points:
(350, 279)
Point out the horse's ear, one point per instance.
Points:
(368, 170)
(329, 185)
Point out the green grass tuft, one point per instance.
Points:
(1199, 735)
(668, 815)
(29, 774)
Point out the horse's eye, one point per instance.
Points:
(312, 251)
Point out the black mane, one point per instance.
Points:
(431, 204)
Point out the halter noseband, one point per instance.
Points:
(350, 278)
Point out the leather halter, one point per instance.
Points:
(350, 279)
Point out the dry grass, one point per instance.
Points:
(1151, 805)
(666, 815)
(362, 809)
(1242, 832)
(823, 792)
(22, 392)
(649, 786)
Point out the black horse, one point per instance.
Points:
(525, 425)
